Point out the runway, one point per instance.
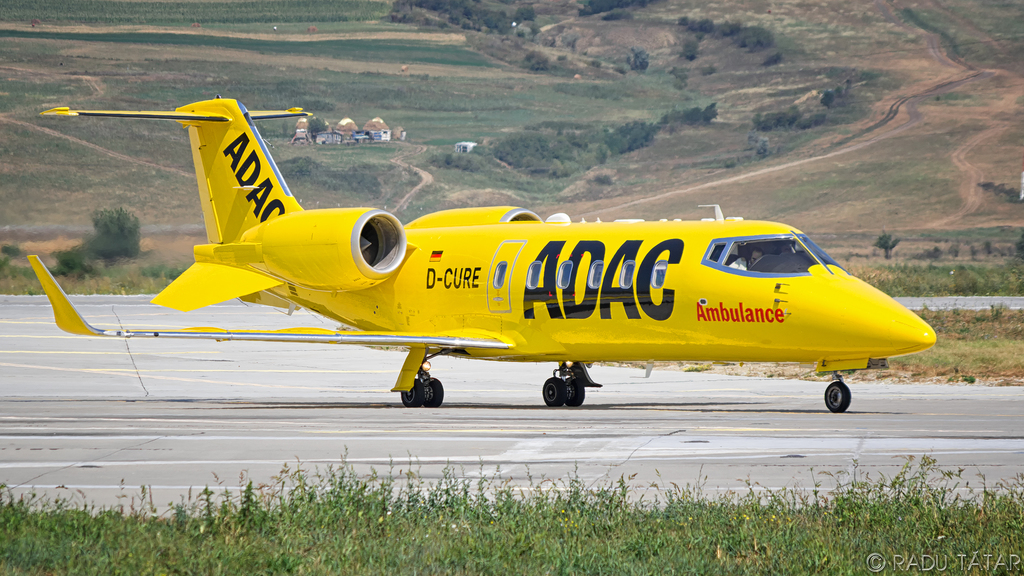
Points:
(105, 416)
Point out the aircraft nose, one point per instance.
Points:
(909, 334)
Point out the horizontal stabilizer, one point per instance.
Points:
(205, 283)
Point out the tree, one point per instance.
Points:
(638, 59)
(317, 126)
(117, 234)
(886, 243)
(709, 113)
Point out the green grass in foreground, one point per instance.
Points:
(363, 50)
(932, 280)
(335, 522)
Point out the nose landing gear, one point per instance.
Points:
(567, 386)
(837, 395)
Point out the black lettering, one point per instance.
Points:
(476, 276)
(662, 311)
(467, 277)
(545, 291)
(259, 197)
(447, 282)
(431, 278)
(274, 204)
(585, 308)
(457, 275)
(611, 294)
(252, 161)
(236, 149)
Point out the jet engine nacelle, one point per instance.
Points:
(336, 249)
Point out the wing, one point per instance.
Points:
(69, 320)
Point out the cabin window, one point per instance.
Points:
(626, 274)
(716, 252)
(780, 255)
(499, 274)
(594, 277)
(533, 275)
(564, 275)
(658, 274)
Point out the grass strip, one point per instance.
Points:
(336, 522)
(361, 50)
(122, 12)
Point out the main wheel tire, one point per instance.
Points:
(837, 397)
(554, 392)
(414, 397)
(576, 393)
(434, 394)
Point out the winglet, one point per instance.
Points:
(60, 111)
(64, 312)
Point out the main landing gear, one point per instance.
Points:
(568, 385)
(426, 391)
(837, 395)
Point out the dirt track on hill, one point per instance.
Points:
(968, 190)
(92, 146)
(425, 177)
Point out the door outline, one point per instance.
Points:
(499, 300)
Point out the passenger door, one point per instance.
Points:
(499, 278)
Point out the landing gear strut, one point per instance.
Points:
(426, 391)
(837, 395)
(567, 386)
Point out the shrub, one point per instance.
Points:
(618, 14)
(595, 63)
(704, 25)
(117, 234)
(691, 49)
(637, 59)
(773, 60)
(629, 137)
(602, 179)
(811, 121)
(684, 21)
(682, 76)
(755, 38)
(523, 150)
(691, 116)
(599, 6)
(536, 62)
(464, 162)
(73, 262)
(708, 70)
(828, 97)
(12, 250)
(730, 28)
(776, 120)
(525, 13)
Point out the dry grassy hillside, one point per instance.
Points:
(930, 108)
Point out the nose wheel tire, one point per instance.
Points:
(555, 392)
(433, 393)
(576, 393)
(414, 397)
(837, 397)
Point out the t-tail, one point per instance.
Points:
(240, 186)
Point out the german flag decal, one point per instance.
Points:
(435, 256)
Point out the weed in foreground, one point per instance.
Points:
(335, 521)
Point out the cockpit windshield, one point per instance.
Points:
(772, 255)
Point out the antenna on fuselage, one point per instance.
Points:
(719, 217)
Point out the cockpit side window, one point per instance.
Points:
(716, 252)
(819, 252)
(776, 255)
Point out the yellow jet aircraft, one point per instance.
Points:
(497, 283)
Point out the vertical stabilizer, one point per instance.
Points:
(240, 186)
